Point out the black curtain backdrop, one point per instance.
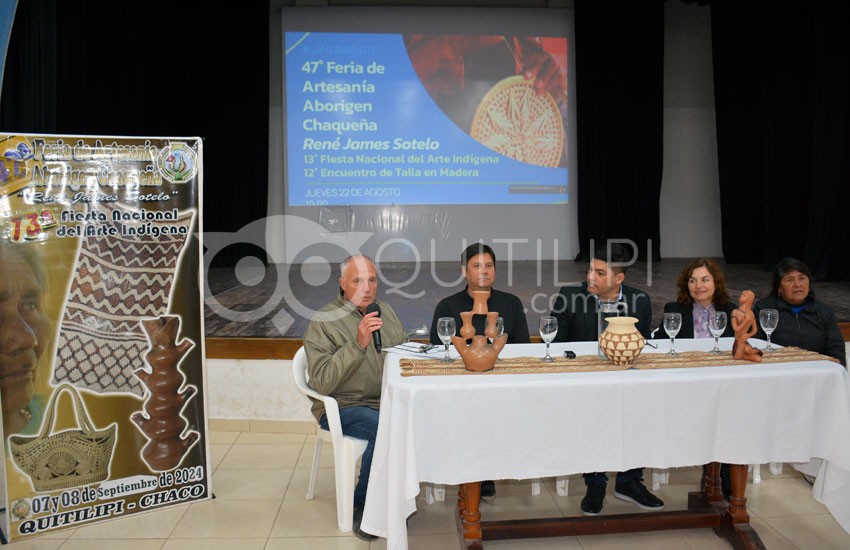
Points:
(620, 79)
(157, 68)
(782, 98)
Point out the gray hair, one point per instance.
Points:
(343, 264)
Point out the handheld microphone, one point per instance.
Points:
(376, 336)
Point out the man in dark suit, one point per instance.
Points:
(575, 309)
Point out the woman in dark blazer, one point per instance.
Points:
(701, 288)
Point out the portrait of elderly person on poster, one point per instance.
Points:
(25, 337)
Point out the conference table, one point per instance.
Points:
(464, 427)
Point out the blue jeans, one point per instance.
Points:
(362, 423)
(622, 477)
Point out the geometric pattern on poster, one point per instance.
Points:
(118, 281)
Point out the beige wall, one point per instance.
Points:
(690, 193)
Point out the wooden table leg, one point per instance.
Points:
(712, 482)
(469, 497)
(735, 522)
(737, 501)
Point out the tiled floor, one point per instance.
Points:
(260, 480)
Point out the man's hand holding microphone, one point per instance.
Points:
(370, 327)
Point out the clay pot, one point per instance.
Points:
(480, 355)
(467, 330)
(479, 301)
(621, 342)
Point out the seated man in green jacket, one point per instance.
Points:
(343, 361)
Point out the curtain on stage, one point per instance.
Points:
(620, 81)
(782, 97)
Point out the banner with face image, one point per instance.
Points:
(101, 329)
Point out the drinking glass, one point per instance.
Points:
(500, 327)
(716, 325)
(672, 324)
(768, 319)
(548, 330)
(445, 330)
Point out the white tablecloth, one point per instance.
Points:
(455, 429)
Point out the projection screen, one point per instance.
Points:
(425, 129)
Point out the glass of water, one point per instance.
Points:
(445, 330)
(768, 319)
(716, 325)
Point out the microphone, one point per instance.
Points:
(376, 336)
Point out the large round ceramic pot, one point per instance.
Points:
(621, 342)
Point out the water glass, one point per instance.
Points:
(672, 324)
(500, 327)
(716, 325)
(445, 330)
(548, 330)
(768, 319)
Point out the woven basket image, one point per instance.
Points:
(514, 121)
(65, 459)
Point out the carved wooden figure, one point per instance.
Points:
(744, 325)
(161, 421)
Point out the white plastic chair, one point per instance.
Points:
(662, 476)
(562, 485)
(434, 493)
(347, 450)
(774, 467)
(437, 493)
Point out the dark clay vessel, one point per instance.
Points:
(161, 422)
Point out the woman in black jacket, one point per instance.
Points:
(702, 290)
(803, 321)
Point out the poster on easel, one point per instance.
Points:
(101, 327)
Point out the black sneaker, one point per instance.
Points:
(359, 533)
(488, 489)
(636, 493)
(592, 502)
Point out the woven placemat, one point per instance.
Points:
(592, 363)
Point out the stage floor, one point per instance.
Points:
(276, 301)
